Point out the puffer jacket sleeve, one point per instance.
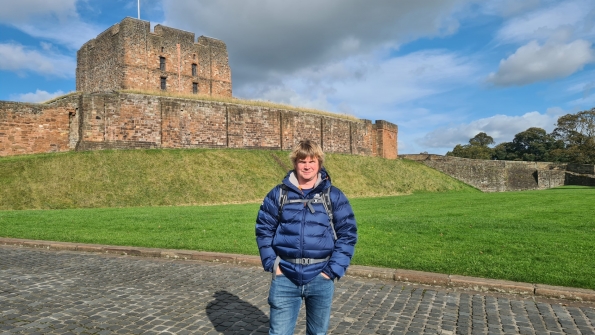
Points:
(266, 226)
(346, 229)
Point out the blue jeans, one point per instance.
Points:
(285, 299)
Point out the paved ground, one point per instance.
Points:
(65, 292)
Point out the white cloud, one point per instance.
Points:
(23, 11)
(500, 127)
(562, 21)
(38, 96)
(281, 38)
(19, 59)
(71, 34)
(418, 75)
(533, 62)
(55, 20)
(367, 83)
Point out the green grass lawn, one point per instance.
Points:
(543, 237)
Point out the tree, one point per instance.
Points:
(534, 144)
(482, 139)
(577, 132)
(476, 149)
(504, 152)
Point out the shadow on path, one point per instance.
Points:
(231, 315)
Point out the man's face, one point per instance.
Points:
(307, 169)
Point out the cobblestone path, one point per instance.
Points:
(50, 292)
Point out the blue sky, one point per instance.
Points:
(442, 70)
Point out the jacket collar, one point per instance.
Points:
(291, 179)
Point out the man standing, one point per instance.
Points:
(303, 243)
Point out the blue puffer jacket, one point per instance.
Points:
(302, 234)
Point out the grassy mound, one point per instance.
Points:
(127, 178)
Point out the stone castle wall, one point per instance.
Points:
(28, 128)
(127, 120)
(502, 176)
(127, 56)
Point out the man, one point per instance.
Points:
(301, 246)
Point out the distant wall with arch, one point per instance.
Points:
(502, 176)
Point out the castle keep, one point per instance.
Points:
(128, 56)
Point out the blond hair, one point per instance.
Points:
(307, 148)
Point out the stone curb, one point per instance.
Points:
(410, 276)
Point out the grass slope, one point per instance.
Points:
(128, 178)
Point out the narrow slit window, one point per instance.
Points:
(194, 70)
(162, 63)
(194, 88)
(163, 84)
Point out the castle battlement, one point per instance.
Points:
(128, 55)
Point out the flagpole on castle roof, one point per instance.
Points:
(138, 9)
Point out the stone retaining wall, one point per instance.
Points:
(502, 176)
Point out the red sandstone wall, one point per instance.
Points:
(336, 135)
(135, 58)
(139, 119)
(32, 128)
(111, 118)
(253, 127)
(126, 121)
(196, 124)
(363, 138)
(219, 70)
(99, 62)
(304, 126)
(386, 139)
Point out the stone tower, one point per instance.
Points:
(129, 56)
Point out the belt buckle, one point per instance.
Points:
(306, 261)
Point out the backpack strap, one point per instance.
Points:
(282, 200)
(328, 206)
(326, 202)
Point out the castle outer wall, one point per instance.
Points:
(128, 56)
(128, 121)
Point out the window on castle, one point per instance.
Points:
(162, 63)
(163, 84)
(194, 69)
(194, 88)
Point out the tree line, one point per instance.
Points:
(572, 141)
